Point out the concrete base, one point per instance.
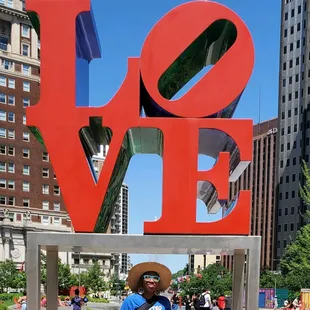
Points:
(246, 251)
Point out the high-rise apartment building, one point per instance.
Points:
(260, 177)
(119, 220)
(30, 197)
(294, 118)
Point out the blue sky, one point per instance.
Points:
(122, 27)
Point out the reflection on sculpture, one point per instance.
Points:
(176, 49)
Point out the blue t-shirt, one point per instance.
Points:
(134, 301)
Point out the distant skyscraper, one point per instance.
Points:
(260, 177)
(294, 119)
(119, 220)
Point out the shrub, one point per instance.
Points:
(3, 307)
(101, 300)
(8, 299)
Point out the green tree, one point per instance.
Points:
(95, 278)
(305, 190)
(21, 280)
(215, 277)
(295, 262)
(116, 285)
(269, 279)
(8, 275)
(65, 278)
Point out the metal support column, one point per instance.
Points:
(52, 278)
(238, 279)
(33, 270)
(252, 278)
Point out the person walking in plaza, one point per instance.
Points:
(187, 302)
(147, 280)
(221, 302)
(174, 301)
(228, 302)
(77, 301)
(205, 300)
(23, 301)
(196, 302)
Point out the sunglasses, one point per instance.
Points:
(147, 277)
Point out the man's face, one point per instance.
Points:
(151, 281)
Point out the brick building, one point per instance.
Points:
(260, 177)
(30, 198)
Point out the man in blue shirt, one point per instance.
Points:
(147, 280)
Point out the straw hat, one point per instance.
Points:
(134, 276)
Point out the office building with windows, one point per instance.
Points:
(30, 198)
(294, 119)
(260, 177)
(119, 220)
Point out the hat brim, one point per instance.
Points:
(138, 270)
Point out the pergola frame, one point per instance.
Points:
(246, 251)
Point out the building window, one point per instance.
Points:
(25, 31)
(10, 3)
(26, 186)
(7, 65)
(26, 102)
(25, 49)
(11, 167)
(11, 133)
(45, 205)
(26, 153)
(45, 156)
(56, 206)
(2, 183)
(11, 184)
(2, 166)
(24, 120)
(11, 117)
(45, 189)
(56, 220)
(11, 201)
(11, 100)
(3, 98)
(2, 200)
(11, 151)
(2, 133)
(3, 81)
(26, 70)
(4, 43)
(45, 220)
(26, 136)
(26, 86)
(56, 190)
(11, 83)
(45, 172)
(2, 150)
(26, 170)
(2, 116)
(26, 202)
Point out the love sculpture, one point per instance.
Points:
(186, 39)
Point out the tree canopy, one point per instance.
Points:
(214, 277)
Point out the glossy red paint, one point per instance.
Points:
(59, 120)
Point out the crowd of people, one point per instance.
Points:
(295, 304)
(201, 301)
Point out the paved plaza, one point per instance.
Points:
(110, 306)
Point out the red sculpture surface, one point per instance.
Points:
(56, 115)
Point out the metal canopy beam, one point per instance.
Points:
(155, 244)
